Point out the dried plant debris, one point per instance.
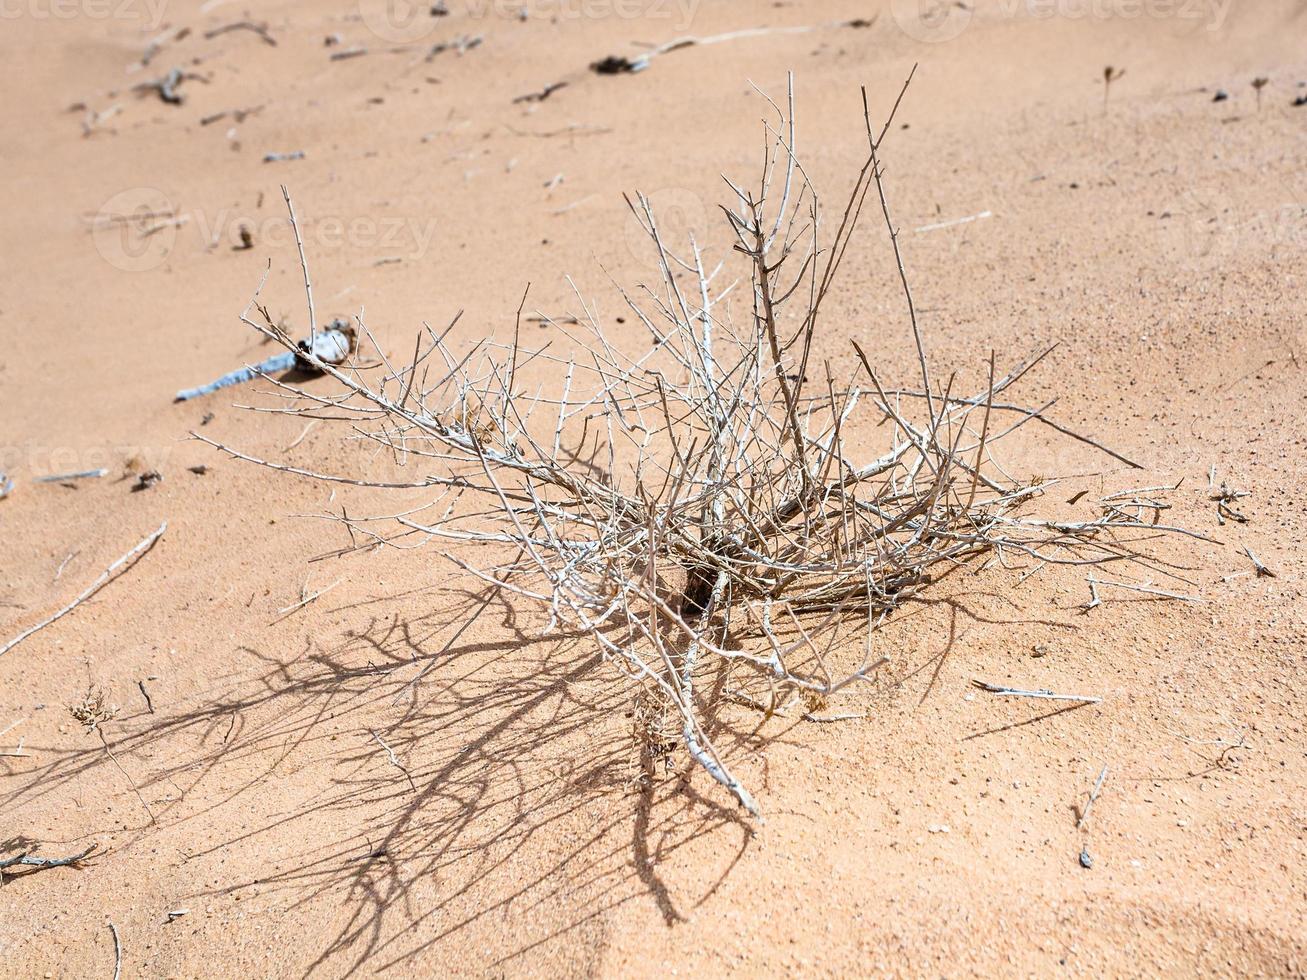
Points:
(26, 860)
(331, 345)
(93, 710)
(694, 505)
(620, 64)
(147, 480)
(461, 45)
(540, 96)
(261, 30)
(122, 564)
(168, 86)
(1226, 496)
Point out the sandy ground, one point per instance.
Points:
(1160, 242)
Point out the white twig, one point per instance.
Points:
(94, 587)
(1093, 795)
(1049, 695)
(282, 613)
(69, 477)
(394, 760)
(956, 221)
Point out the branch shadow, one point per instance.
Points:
(522, 788)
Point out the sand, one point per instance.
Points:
(1159, 241)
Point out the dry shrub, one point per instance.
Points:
(696, 504)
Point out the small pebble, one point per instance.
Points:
(1085, 860)
(1221, 95)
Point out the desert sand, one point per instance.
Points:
(247, 822)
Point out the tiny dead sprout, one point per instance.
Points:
(727, 512)
(1110, 75)
(813, 701)
(93, 710)
(655, 732)
(1259, 83)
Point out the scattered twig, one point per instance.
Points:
(282, 157)
(237, 115)
(1048, 695)
(244, 25)
(145, 545)
(157, 44)
(1145, 589)
(167, 86)
(394, 761)
(540, 96)
(300, 438)
(283, 613)
(1257, 563)
(956, 221)
(1093, 795)
(28, 861)
(461, 44)
(69, 477)
(149, 705)
(619, 64)
(18, 753)
(117, 953)
(1225, 497)
(348, 53)
(93, 119)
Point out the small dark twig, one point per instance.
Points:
(117, 953)
(540, 96)
(244, 25)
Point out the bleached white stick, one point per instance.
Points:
(1017, 693)
(94, 587)
(956, 221)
